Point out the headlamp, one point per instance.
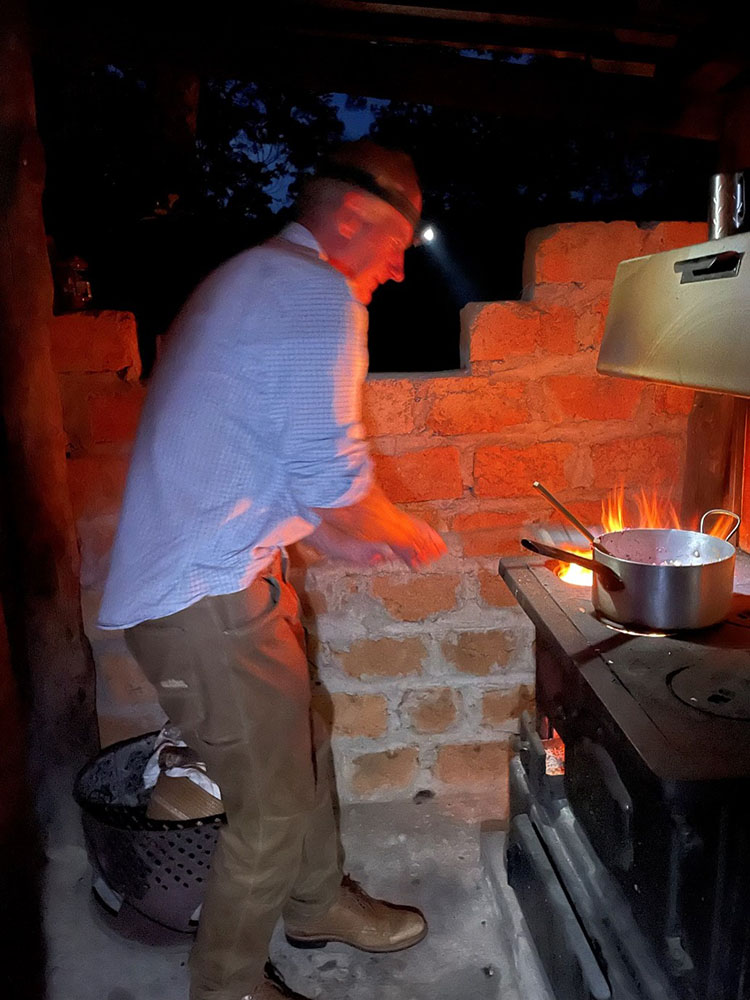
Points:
(362, 179)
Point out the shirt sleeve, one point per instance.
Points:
(324, 358)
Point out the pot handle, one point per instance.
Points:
(720, 510)
(608, 578)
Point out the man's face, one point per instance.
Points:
(375, 252)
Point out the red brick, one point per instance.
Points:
(488, 532)
(96, 483)
(480, 409)
(383, 657)
(591, 397)
(388, 406)
(478, 652)
(472, 765)
(432, 474)
(587, 511)
(673, 399)
(557, 330)
(579, 251)
(384, 771)
(431, 711)
(499, 330)
(114, 418)
(501, 542)
(75, 406)
(645, 462)
(509, 472)
(417, 598)
(581, 297)
(494, 591)
(672, 235)
(485, 533)
(359, 715)
(590, 323)
(95, 341)
(477, 520)
(501, 707)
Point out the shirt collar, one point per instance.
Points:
(296, 233)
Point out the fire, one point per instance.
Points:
(650, 512)
(576, 575)
(721, 526)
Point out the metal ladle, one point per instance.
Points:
(569, 515)
(610, 580)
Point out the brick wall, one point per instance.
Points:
(422, 677)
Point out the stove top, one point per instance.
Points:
(682, 699)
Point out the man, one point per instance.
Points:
(250, 440)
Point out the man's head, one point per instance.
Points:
(363, 206)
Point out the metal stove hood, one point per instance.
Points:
(683, 317)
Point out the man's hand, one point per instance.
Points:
(375, 520)
(421, 544)
(337, 545)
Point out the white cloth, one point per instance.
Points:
(170, 737)
(252, 418)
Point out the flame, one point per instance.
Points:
(650, 512)
(613, 518)
(576, 575)
(722, 526)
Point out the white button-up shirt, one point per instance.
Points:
(251, 419)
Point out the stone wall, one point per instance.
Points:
(423, 676)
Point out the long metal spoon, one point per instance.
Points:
(569, 515)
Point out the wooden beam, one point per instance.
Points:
(63, 723)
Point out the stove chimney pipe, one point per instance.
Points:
(726, 204)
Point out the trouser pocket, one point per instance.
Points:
(166, 655)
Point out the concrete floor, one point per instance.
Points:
(424, 854)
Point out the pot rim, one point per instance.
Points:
(729, 548)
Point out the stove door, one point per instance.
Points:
(562, 945)
(600, 801)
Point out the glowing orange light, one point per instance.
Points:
(655, 513)
(576, 575)
(721, 526)
(613, 518)
(650, 512)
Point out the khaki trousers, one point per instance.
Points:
(232, 673)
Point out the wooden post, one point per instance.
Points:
(60, 682)
(716, 426)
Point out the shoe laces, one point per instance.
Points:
(358, 894)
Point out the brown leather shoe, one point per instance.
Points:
(361, 921)
(273, 987)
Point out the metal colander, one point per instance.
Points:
(158, 866)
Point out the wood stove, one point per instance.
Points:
(632, 867)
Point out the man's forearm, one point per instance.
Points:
(374, 518)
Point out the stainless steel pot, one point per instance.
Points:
(660, 578)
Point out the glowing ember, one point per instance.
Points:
(554, 752)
